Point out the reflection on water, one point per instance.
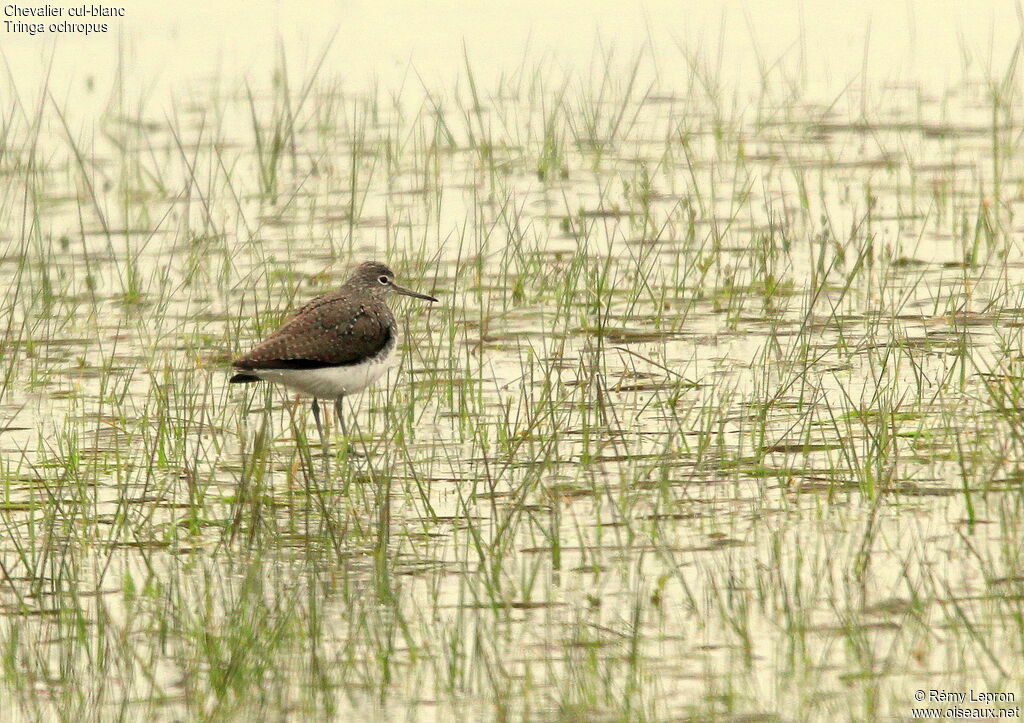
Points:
(718, 416)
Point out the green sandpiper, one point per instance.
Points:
(335, 345)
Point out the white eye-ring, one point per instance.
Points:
(383, 280)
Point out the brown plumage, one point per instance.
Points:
(335, 345)
(349, 326)
(336, 329)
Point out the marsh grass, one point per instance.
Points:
(719, 415)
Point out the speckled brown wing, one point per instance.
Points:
(312, 304)
(327, 331)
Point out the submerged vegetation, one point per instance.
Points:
(719, 417)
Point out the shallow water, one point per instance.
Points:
(717, 416)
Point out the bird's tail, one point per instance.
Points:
(242, 378)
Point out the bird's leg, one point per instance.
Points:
(323, 438)
(339, 410)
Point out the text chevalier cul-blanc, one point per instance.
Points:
(54, 11)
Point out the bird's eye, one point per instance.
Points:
(383, 280)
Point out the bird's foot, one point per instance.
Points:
(350, 450)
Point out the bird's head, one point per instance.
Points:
(377, 279)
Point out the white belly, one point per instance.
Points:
(329, 382)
